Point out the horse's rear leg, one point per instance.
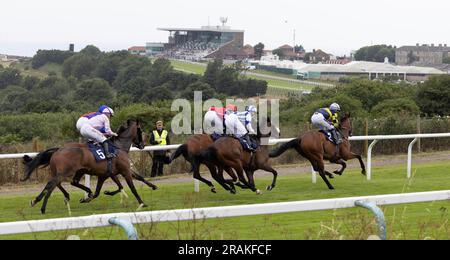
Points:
(64, 192)
(51, 185)
(240, 173)
(130, 183)
(142, 179)
(100, 182)
(218, 176)
(319, 167)
(196, 175)
(119, 186)
(76, 183)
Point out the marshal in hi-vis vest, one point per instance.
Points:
(162, 138)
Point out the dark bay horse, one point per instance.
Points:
(315, 147)
(74, 160)
(193, 147)
(227, 152)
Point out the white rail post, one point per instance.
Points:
(314, 175)
(369, 159)
(196, 186)
(410, 151)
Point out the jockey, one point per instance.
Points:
(96, 126)
(235, 127)
(246, 118)
(213, 121)
(326, 119)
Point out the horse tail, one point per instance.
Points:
(182, 150)
(42, 159)
(283, 148)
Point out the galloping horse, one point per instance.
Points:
(75, 160)
(227, 152)
(315, 147)
(193, 147)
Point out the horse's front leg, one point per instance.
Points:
(351, 156)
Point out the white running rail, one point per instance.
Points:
(375, 139)
(220, 212)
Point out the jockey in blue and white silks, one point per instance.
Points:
(246, 118)
(95, 126)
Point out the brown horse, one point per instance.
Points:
(193, 147)
(74, 160)
(315, 147)
(227, 152)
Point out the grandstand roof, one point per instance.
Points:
(203, 29)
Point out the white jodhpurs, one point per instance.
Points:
(212, 123)
(318, 121)
(90, 133)
(234, 126)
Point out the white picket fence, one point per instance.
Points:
(370, 202)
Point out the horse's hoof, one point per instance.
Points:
(154, 188)
(213, 190)
(32, 203)
(84, 201)
(108, 193)
(66, 201)
(258, 192)
(363, 172)
(270, 188)
(43, 211)
(338, 173)
(331, 188)
(233, 191)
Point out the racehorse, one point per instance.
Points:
(193, 147)
(315, 147)
(227, 152)
(74, 160)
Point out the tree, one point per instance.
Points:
(279, 52)
(95, 91)
(396, 106)
(43, 57)
(259, 50)
(433, 96)
(212, 72)
(207, 91)
(299, 48)
(79, 66)
(9, 76)
(375, 53)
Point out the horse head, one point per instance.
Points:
(132, 132)
(345, 125)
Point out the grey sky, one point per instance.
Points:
(332, 25)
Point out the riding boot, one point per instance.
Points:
(336, 142)
(108, 155)
(249, 143)
(335, 137)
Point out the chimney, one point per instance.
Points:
(418, 44)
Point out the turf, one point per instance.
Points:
(287, 84)
(413, 221)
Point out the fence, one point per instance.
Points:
(374, 139)
(126, 220)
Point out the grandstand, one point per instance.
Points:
(207, 42)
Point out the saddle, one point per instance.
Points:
(329, 137)
(97, 150)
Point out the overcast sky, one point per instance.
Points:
(336, 26)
